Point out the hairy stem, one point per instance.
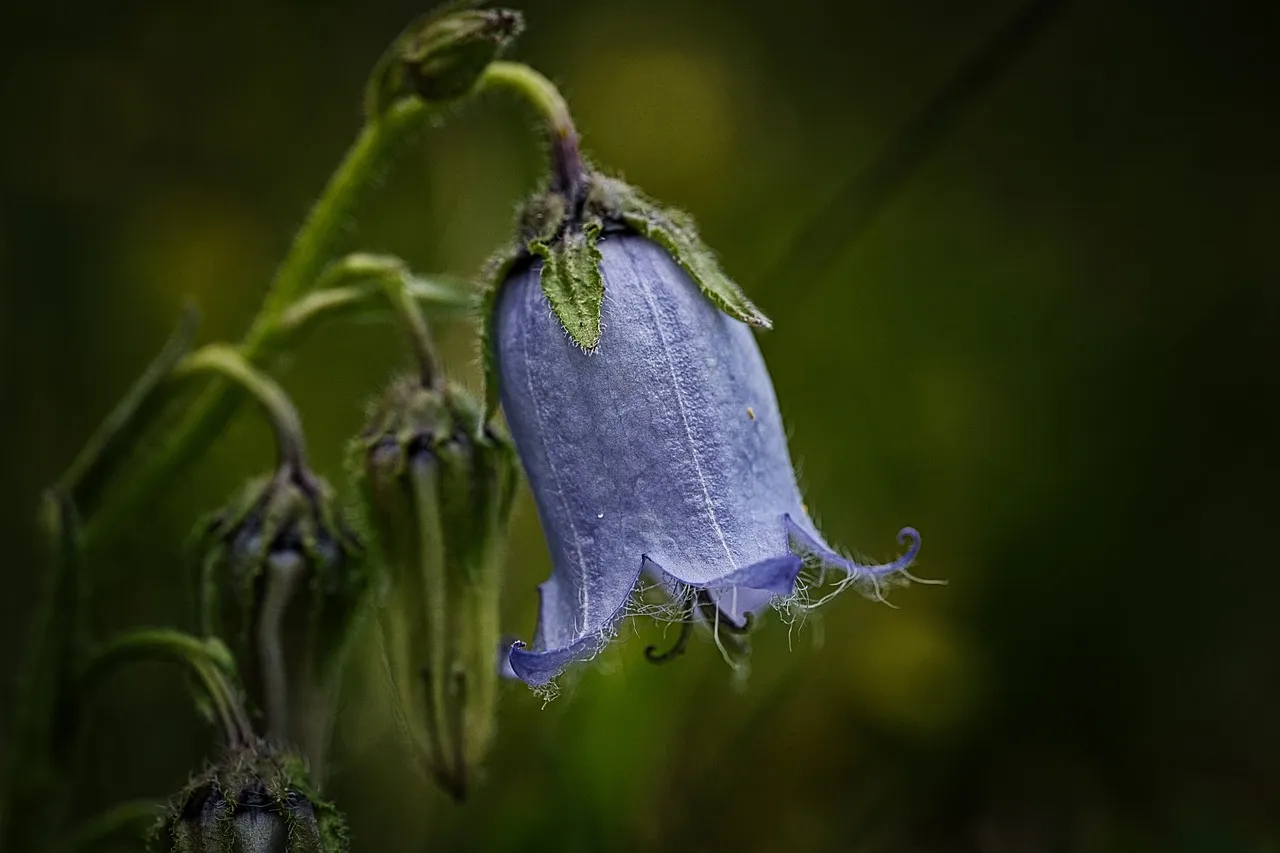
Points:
(568, 172)
(209, 661)
(229, 364)
(374, 149)
(415, 327)
(85, 479)
(366, 299)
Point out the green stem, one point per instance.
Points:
(209, 660)
(314, 245)
(415, 326)
(226, 362)
(85, 478)
(365, 299)
(373, 151)
(568, 173)
(46, 719)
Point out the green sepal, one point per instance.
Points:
(572, 282)
(486, 305)
(541, 219)
(255, 798)
(675, 231)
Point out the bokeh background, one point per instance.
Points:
(1053, 350)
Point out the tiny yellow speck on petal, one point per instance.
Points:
(751, 413)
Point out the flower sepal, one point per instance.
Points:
(256, 799)
(564, 232)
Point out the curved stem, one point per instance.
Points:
(365, 299)
(46, 720)
(567, 169)
(415, 326)
(209, 662)
(313, 246)
(372, 152)
(88, 472)
(230, 364)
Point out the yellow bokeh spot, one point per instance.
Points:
(912, 673)
(670, 113)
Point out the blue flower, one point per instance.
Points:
(658, 453)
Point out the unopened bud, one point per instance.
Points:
(282, 582)
(439, 496)
(441, 57)
(255, 800)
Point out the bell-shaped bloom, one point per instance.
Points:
(660, 452)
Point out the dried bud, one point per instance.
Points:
(256, 800)
(439, 497)
(441, 57)
(283, 580)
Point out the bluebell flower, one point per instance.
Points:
(658, 453)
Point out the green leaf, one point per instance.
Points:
(676, 232)
(572, 282)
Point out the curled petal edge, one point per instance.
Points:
(776, 576)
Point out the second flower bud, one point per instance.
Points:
(438, 496)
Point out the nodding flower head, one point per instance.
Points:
(654, 445)
(255, 800)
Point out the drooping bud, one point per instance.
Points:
(283, 581)
(439, 497)
(440, 57)
(257, 799)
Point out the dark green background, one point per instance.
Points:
(1054, 352)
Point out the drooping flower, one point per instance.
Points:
(648, 426)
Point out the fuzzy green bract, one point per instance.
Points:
(568, 244)
(572, 283)
(256, 799)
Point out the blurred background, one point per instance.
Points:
(1053, 350)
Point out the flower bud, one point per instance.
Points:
(255, 800)
(439, 497)
(282, 582)
(441, 57)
